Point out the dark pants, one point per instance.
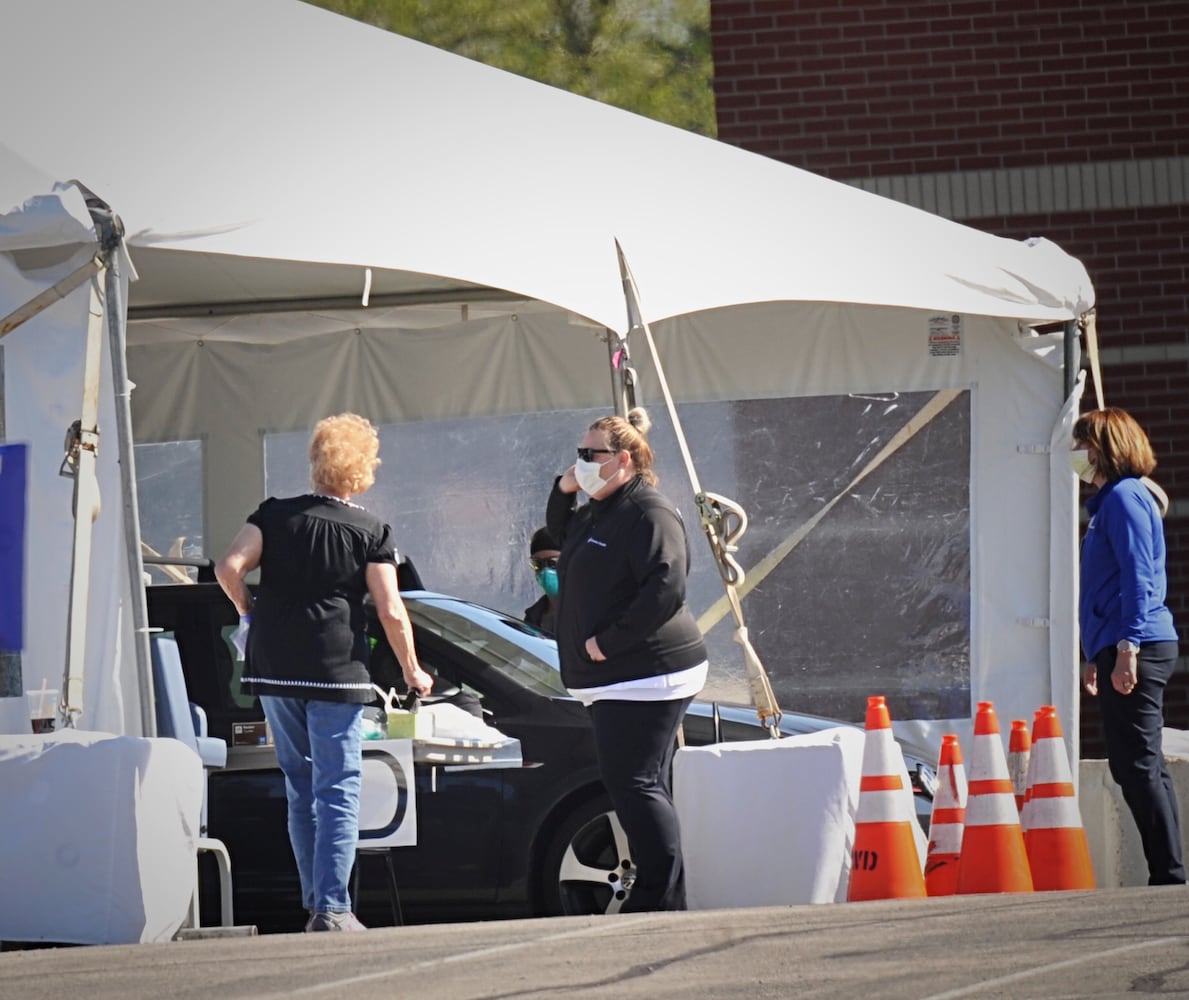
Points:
(1132, 725)
(635, 741)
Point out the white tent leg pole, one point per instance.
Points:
(1065, 662)
(86, 510)
(116, 330)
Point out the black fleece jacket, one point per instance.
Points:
(622, 580)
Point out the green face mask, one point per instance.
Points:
(547, 578)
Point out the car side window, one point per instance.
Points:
(238, 698)
(485, 645)
(386, 673)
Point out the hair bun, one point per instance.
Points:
(638, 417)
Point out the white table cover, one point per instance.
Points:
(768, 822)
(97, 837)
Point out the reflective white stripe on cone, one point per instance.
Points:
(1056, 841)
(993, 856)
(884, 863)
(947, 822)
(1026, 808)
(1019, 752)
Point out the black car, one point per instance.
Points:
(530, 840)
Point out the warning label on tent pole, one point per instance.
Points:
(945, 335)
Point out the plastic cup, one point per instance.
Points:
(43, 709)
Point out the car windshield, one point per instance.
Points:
(513, 648)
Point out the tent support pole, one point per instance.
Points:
(1069, 343)
(623, 376)
(82, 451)
(125, 447)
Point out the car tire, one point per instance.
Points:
(587, 867)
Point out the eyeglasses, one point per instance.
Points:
(540, 564)
(588, 454)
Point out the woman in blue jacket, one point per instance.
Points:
(1127, 631)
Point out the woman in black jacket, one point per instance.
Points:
(630, 649)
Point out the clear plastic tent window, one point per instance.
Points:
(857, 554)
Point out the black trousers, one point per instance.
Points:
(635, 741)
(1132, 724)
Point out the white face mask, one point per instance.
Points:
(1079, 461)
(588, 476)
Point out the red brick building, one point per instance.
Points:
(1060, 118)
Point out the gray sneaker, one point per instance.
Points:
(334, 922)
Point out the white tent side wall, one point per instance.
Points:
(532, 358)
(42, 396)
(525, 193)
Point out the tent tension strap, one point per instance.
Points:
(723, 520)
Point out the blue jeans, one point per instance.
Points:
(319, 748)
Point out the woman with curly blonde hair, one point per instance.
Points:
(307, 650)
(344, 455)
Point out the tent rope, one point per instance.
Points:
(723, 521)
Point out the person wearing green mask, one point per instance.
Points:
(543, 553)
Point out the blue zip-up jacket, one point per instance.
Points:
(1123, 582)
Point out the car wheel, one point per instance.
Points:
(588, 867)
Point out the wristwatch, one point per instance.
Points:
(1127, 646)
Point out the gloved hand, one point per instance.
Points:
(239, 638)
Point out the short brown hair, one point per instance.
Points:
(344, 454)
(1123, 447)
(628, 435)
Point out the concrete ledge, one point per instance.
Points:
(1115, 848)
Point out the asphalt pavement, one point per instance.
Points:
(1109, 943)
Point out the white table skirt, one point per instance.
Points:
(768, 822)
(97, 837)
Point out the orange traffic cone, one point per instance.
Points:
(1019, 749)
(884, 863)
(1056, 840)
(949, 816)
(993, 857)
(1026, 808)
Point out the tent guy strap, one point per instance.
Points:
(723, 520)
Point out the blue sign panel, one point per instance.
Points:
(13, 470)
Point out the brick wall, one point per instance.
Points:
(862, 89)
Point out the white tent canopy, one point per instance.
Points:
(271, 161)
(277, 132)
(46, 232)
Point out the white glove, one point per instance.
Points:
(239, 638)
